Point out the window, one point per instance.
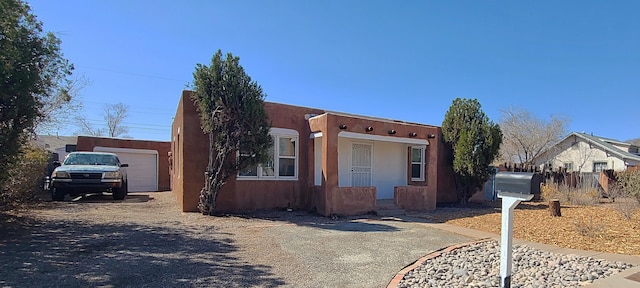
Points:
(417, 163)
(283, 158)
(550, 165)
(599, 166)
(249, 171)
(568, 166)
(287, 156)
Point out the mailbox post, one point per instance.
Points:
(512, 188)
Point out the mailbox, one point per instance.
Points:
(518, 182)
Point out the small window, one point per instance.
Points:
(70, 148)
(417, 163)
(568, 166)
(600, 166)
(549, 165)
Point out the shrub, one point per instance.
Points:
(25, 178)
(589, 229)
(627, 190)
(581, 195)
(629, 183)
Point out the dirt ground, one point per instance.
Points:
(145, 241)
(601, 227)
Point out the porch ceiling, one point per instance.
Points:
(362, 136)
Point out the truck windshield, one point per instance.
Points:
(90, 159)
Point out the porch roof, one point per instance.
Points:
(353, 135)
(341, 114)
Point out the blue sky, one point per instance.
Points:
(404, 60)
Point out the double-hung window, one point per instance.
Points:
(568, 166)
(283, 158)
(600, 166)
(417, 163)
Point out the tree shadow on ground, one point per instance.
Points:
(311, 219)
(81, 254)
(364, 223)
(107, 198)
(447, 212)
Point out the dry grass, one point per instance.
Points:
(596, 228)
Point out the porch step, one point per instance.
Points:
(391, 212)
(386, 207)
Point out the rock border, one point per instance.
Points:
(400, 275)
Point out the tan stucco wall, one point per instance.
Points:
(326, 199)
(239, 195)
(190, 149)
(414, 198)
(354, 200)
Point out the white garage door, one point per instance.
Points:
(142, 172)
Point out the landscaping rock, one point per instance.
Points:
(468, 267)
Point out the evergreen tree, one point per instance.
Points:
(231, 108)
(475, 141)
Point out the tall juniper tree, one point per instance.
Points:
(33, 72)
(231, 108)
(475, 141)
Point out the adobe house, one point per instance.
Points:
(329, 162)
(148, 160)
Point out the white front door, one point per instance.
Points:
(361, 155)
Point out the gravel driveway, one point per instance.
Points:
(146, 241)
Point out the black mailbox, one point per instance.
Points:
(518, 182)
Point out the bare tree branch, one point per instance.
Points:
(526, 136)
(114, 116)
(87, 129)
(59, 109)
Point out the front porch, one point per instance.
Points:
(358, 161)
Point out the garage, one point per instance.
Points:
(142, 172)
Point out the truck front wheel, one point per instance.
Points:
(120, 193)
(57, 194)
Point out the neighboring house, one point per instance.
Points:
(148, 163)
(586, 153)
(330, 162)
(60, 145)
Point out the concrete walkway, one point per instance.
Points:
(628, 278)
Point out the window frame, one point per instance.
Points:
(277, 134)
(421, 163)
(569, 164)
(606, 164)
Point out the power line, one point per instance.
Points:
(128, 123)
(129, 73)
(138, 109)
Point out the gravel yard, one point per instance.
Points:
(146, 241)
(599, 227)
(478, 265)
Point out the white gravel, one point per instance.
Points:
(478, 265)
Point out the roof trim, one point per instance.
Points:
(370, 137)
(371, 118)
(604, 145)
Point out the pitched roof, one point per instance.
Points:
(51, 142)
(605, 145)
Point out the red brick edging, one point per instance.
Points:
(400, 275)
